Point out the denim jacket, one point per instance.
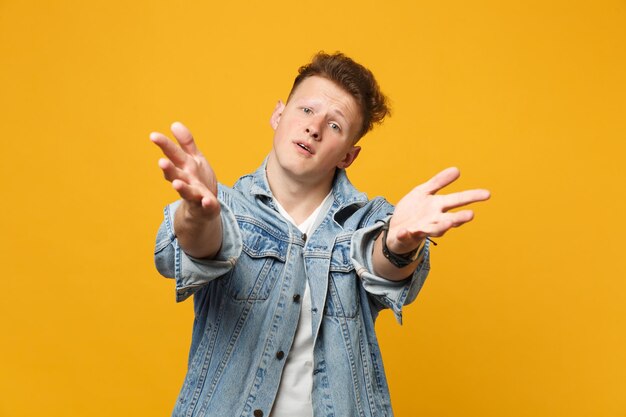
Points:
(247, 303)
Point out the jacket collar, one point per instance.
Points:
(343, 191)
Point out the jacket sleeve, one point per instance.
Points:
(191, 273)
(383, 292)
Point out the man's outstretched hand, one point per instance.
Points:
(422, 213)
(188, 171)
(197, 221)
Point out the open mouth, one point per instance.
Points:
(306, 148)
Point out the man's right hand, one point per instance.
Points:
(197, 222)
(188, 171)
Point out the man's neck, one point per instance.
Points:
(298, 198)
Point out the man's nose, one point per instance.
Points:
(313, 133)
(314, 128)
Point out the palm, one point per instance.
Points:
(422, 213)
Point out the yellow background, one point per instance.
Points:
(524, 313)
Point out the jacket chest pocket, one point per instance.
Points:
(343, 297)
(260, 264)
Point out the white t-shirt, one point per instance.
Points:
(294, 392)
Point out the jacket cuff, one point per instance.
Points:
(191, 274)
(383, 292)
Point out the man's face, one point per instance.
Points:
(315, 132)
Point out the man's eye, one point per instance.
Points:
(335, 126)
(306, 110)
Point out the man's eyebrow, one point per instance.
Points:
(340, 114)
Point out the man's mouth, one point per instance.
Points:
(306, 148)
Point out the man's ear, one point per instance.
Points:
(278, 111)
(350, 157)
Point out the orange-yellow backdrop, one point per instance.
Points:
(524, 313)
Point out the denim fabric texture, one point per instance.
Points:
(247, 303)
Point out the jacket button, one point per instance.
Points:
(296, 298)
(280, 354)
(258, 413)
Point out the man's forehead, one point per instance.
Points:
(323, 89)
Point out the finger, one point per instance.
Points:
(463, 198)
(184, 138)
(197, 194)
(406, 236)
(445, 222)
(210, 203)
(404, 241)
(438, 228)
(193, 193)
(171, 172)
(458, 218)
(441, 180)
(169, 148)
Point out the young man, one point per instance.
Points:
(290, 267)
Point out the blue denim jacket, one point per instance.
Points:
(247, 303)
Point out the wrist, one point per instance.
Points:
(400, 258)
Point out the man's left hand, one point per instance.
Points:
(422, 213)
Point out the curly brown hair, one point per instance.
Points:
(355, 79)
